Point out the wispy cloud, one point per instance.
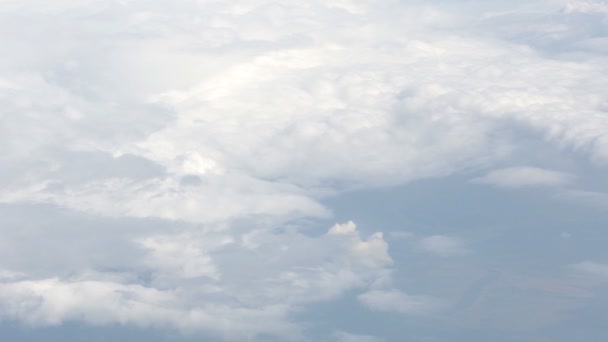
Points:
(442, 245)
(342, 336)
(399, 302)
(591, 268)
(524, 176)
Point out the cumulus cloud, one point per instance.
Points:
(357, 115)
(524, 176)
(51, 302)
(201, 134)
(207, 282)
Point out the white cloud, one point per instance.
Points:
(181, 255)
(443, 245)
(10, 275)
(343, 229)
(51, 302)
(336, 111)
(229, 121)
(206, 281)
(586, 7)
(524, 176)
(399, 302)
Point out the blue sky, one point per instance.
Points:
(338, 171)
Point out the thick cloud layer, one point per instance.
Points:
(165, 163)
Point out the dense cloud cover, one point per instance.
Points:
(168, 164)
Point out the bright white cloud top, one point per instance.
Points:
(166, 164)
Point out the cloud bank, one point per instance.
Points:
(204, 136)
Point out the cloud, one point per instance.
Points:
(399, 302)
(524, 176)
(591, 198)
(442, 245)
(591, 268)
(358, 116)
(342, 336)
(166, 156)
(51, 302)
(205, 282)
